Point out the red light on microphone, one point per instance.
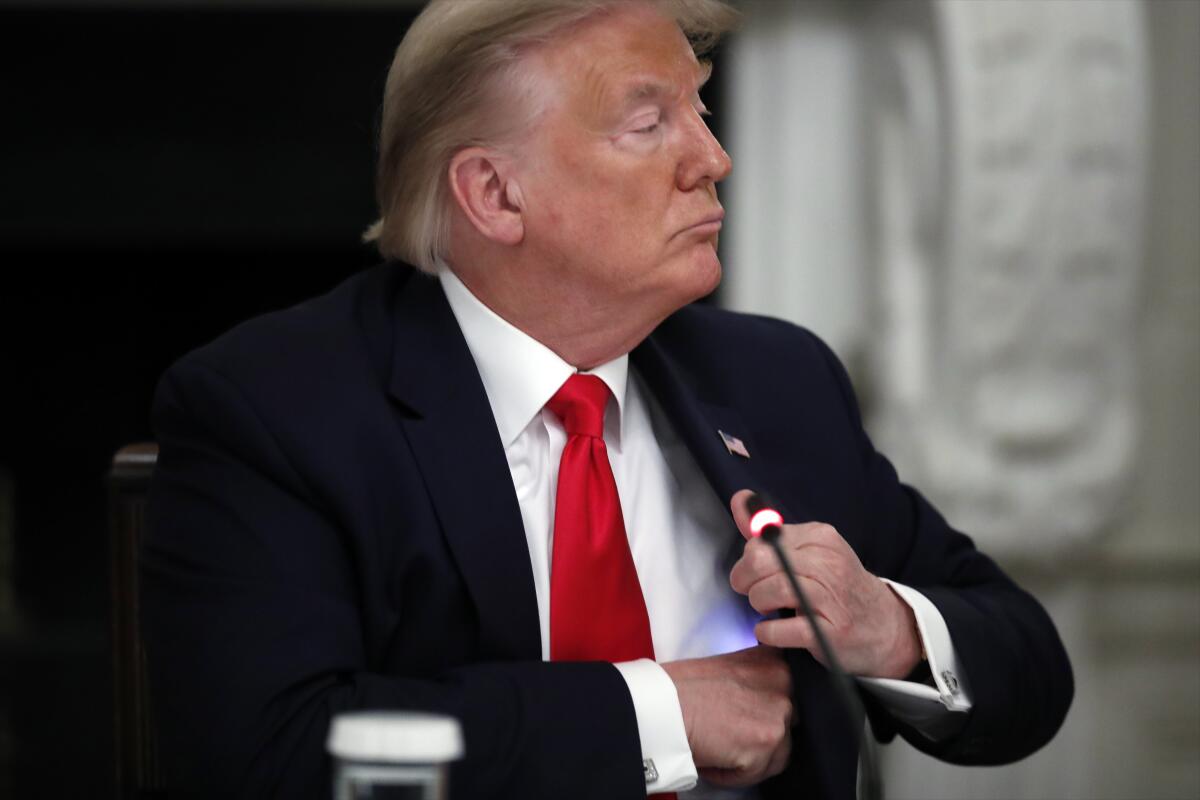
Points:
(763, 518)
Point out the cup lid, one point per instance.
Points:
(398, 737)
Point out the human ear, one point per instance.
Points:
(487, 194)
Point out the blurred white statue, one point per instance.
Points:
(1009, 163)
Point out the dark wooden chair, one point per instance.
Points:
(139, 773)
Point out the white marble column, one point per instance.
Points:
(793, 246)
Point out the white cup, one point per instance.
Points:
(398, 755)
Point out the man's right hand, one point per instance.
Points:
(737, 710)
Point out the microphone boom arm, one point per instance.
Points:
(870, 782)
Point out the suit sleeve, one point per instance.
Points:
(252, 620)
(1007, 645)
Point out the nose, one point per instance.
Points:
(703, 161)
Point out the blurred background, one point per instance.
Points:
(991, 210)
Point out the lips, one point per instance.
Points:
(708, 225)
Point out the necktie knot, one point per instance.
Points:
(579, 405)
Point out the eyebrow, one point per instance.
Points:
(649, 90)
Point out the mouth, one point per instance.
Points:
(707, 226)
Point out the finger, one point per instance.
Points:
(741, 515)
(771, 672)
(757, 562)
(821, 568)
(771, 594)
(815, 550)
(789, 632)
(779, 758)
(775, 592)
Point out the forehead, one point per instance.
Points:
(619, 56)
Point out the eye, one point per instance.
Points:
(646, 123)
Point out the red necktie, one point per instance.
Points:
(597, 612)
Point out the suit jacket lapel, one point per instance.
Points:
(699, 421)
(452, 431)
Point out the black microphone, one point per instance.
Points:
(767, 523)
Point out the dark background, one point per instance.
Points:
(164, 174)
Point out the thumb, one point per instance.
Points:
(741, 515)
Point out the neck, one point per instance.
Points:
(584, 334)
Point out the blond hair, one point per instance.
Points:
(455, 66)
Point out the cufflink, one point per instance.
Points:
(951, 681)
(649, 770)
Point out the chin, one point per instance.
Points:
(706, 271)
(685, 280)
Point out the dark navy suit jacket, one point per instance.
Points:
(333, 526)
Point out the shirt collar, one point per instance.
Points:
(519, 373)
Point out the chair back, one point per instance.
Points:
(139, 773)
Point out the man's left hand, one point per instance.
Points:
(872, 631)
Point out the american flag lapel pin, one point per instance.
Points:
(734, 445)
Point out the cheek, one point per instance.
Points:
(636, 201)
(601, 205)
(606, 209)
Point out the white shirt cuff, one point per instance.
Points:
(932, 710)
(665, 751)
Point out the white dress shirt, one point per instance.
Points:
(679, 534)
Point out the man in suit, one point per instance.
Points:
(510, 492)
